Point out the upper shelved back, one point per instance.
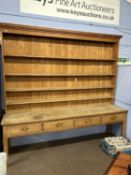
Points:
(48, 68)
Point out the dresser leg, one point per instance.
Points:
(123, 129)
(5, 141)
(108, 129)
(123, 126)
(6, 145)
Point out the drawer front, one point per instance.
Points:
(58, 125)
(24, 129)
(87, 121)
(113, 118)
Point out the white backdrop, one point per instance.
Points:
(100, 11)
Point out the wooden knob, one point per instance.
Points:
(113, 118)
(59, 124)
(87, 121)
(25, 129)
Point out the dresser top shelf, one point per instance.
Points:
(61, 113)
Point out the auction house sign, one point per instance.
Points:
(100, 11)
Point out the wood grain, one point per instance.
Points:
(64, 113)
(57, 80)
(119, 165)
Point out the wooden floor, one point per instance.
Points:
(76, 157)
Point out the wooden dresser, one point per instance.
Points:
(57, 80)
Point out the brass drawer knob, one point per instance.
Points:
(59, 124)
(87, 121)
(113, 118)
(25, 129)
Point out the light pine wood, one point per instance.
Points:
(38, 101)
(55, 33)
(53, 82)
(123, 128)
(113, 118)
(58, 125)
(59, 58)
(83, 122)
(58, 80)
(3, 68)
(55, 89)
(24, 129)
(50, 67)
(115, 55)
(56, 75)
(5, 140)
(44, 47)
(107, 111)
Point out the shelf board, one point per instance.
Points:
(55, 89)
(59, 58)
(38, 101)
(55, 75)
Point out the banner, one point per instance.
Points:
(100, 11)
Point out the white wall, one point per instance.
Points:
(123, 93)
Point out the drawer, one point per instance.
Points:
(87, 121)
(24, 129)
(113, 118)
(58, 125)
